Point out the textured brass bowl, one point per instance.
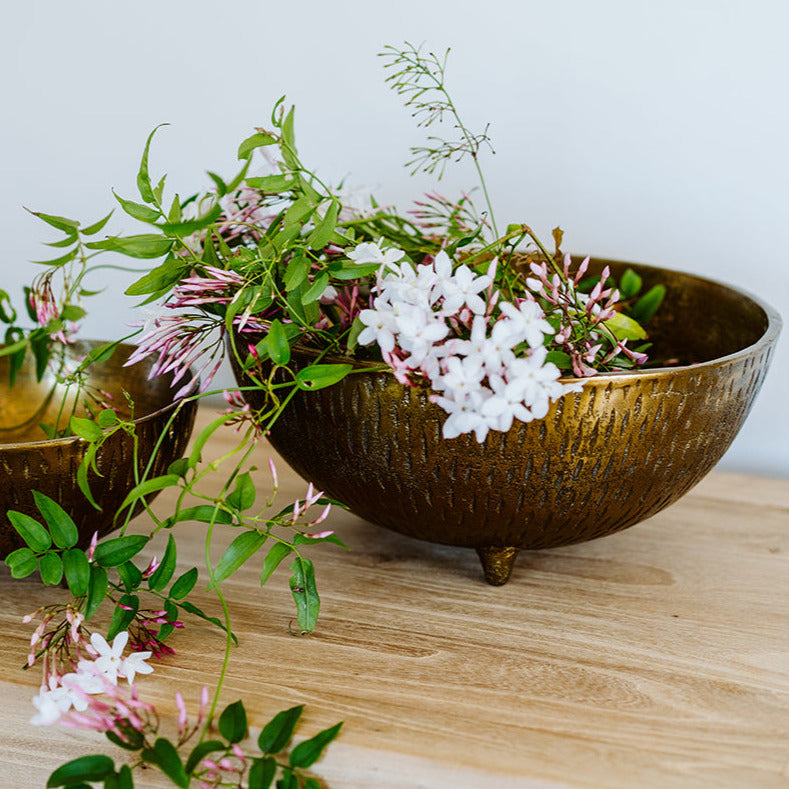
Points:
(619, 451)
(29, 461)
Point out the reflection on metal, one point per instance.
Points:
(29, 461)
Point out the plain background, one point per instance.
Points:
(652, 132)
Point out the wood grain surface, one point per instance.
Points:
(656, 657)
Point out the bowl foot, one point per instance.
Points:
(497, 563)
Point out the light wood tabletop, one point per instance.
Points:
(655, 657)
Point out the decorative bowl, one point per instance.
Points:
(29, 461)
(626, 446)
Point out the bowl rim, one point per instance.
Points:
(67, 440)
(772, 329)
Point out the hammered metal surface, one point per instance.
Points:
(28, 463)
(603, 459)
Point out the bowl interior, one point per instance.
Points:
(700, 320)
(30, 402)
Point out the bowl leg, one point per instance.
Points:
(497, 563)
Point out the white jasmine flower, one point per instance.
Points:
(463, 288)
(527, 321)
(371, 252)
(418, 332)
(462, 377)
(329, 295)
(464, 416)
(49, 705)
(135, 664)
(506, 404)
(110, 663)
(380, 327)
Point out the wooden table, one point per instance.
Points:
(656, 657)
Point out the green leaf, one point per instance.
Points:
(72, 312)
(132, 739)
(255, 141)
(262, 773)
(200, 751)
(277, 732)
(625, 328)
(22, 562)
(123, 617)
(106, 418)
(272, 183)
(143, 178)
(243, 497)
(357, 327)
(175, 214)
(69, 226)
(91, 230)
(298, 210)
(149, 486)
(58, 261)
(77, 570)
(648, 304)
(305, 593)
(50, 565)
(144, 246)
(172, 615)
(118, 550)
(165, 756)
(315, 291)
(193, 609)
(203, 513)
(130, 576)
(82, 475)
(85, 768)
(319, 376)
(288, 780)
(233, 722)
(275, 555)
(158, 190)
(296, 271)
(158, 279)
(164, 572)
(277, 341)
(125, 780)
(101, 353)
(97, 590)
(138, 211)
(630, 284)
(561, 359)
(356, 272)
(205, 434)
(242, 548)
(184, 584)
(190, 226)
(306, 753)
(324, 231)
(61, 526)
(30, 530)
(7, 311)
(85, 428)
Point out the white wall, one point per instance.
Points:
(650, 131)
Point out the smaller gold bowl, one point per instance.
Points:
(31, 462)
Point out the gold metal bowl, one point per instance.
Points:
(625, 447)
(29, 461)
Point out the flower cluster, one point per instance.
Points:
(573, 308)
(94, 674)
(485, 360)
